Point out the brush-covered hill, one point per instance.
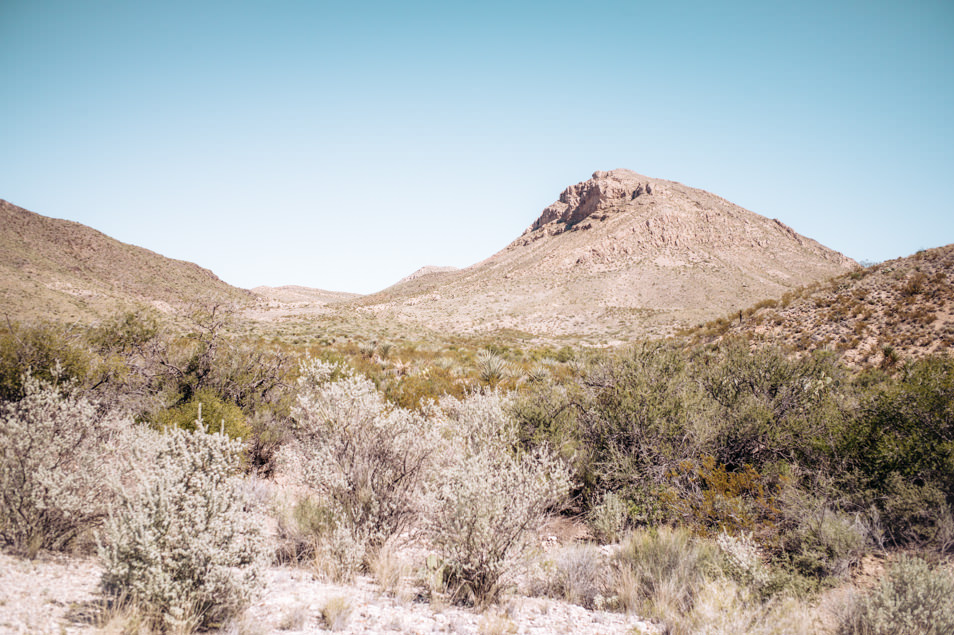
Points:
(618, 256)
(62, 270)
(897, 310)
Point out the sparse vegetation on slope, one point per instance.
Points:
(877, 316)
(57, 269)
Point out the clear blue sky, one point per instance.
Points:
(342, 145)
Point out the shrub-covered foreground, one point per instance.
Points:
(737, 482)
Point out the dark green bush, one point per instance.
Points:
(773, 407)
(48, 352)
(640, 414)
(903, 452)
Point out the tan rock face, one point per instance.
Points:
(583, 199)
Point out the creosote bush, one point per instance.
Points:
(57, 454)
(184, 547)
(221, 415)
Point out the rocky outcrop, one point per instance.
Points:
(604, 190)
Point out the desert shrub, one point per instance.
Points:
(184, 547)
(205, 404)
(49, 352)
(912, 598)
(639, 415)
(609, 519)
(904, 449)
(415, 390)
(545, 415)
(743, 560)
(57, 455)
(816, 540)
(485, 497)
(364, 458)
(707, 496)
(916, 515)
(660, 571)
(773, 407)
(252, 376)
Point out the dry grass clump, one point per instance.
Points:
(294, 619)
(695, 586)
(577, 573)
(336, 613)
(390, 571)
(660, 571)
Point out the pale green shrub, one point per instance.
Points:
(486, 496)
(57, 456)
(743, 560)
(912, 598)
(183, 547)
(364, 459)
(609, 519)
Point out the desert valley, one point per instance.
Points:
(653, 411)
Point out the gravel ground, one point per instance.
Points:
(55, 593)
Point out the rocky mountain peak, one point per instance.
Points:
(604, 189)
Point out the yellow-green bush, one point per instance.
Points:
(219, 415)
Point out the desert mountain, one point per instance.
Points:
(58, 269)
(897, 310)
(617, 256)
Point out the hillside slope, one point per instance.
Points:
(618, 256)
(897, 310)
(62, 270)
